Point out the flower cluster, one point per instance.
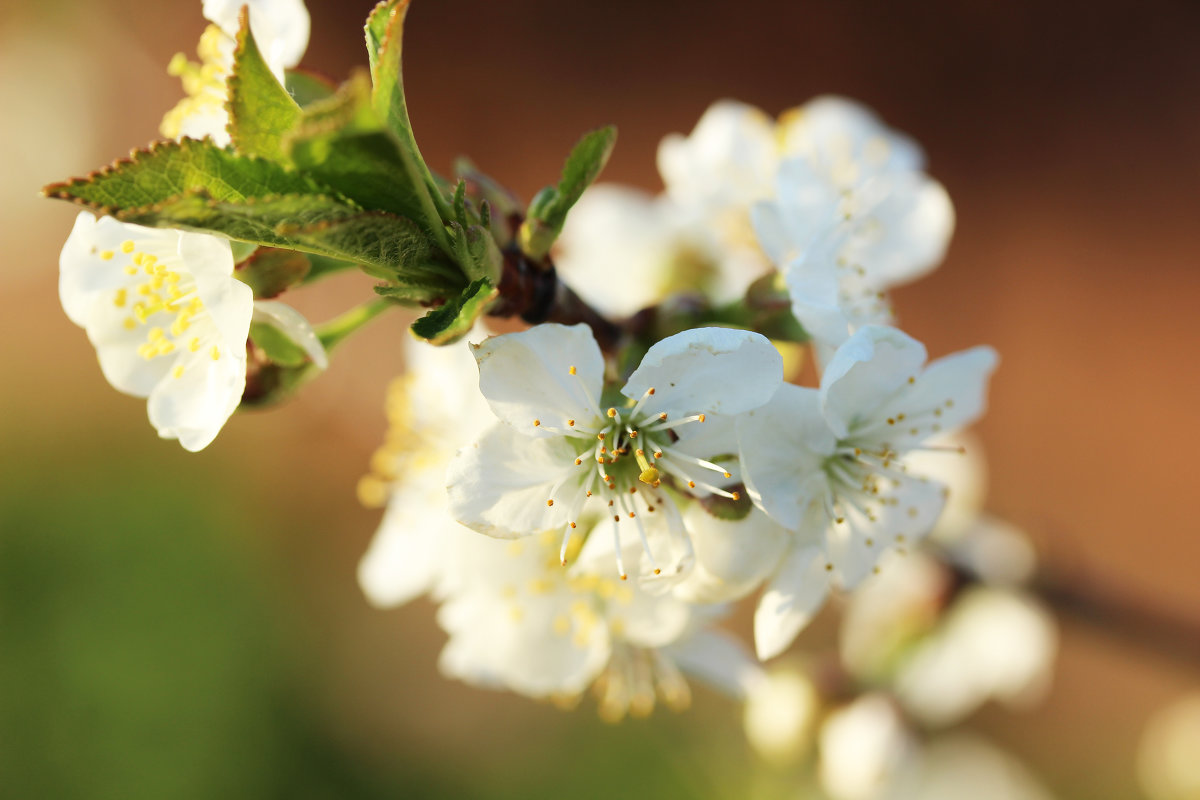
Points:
(586, 497)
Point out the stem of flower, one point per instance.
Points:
(334, 331)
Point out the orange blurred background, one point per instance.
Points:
(1068, 136)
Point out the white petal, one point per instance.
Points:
(833, 130)
(719, 659)
(193, 407)
(855, 546)
(781, 449)
(280, 27)
(517, 644)
(790, 601)
(82, 273)
(815, 290)
(405, 558)
(866, 749)
(727, 160)
(911, 227)
(227, 301)
(648, 620)
(956, 386)
(617, 249)
(526, 377)
(866, 370)
(731, 558)
(709, 370)
(499, 485)
(117, 350)
(294, 326)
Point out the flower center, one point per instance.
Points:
(204, 82)
(621, 456)
(162, 290)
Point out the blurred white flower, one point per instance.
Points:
(780, 715)
(828, 465)
(992, 644)
(961, 766)
(623, 250)
(433, 409)
(168, 320)
(713, 177)
(280, 29)
(519, 620)
(865, 749)
(1169, 753)
(558, 448)
(851, 216)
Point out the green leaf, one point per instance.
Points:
(454, 319)
(385, 34)
(341, 142)
(167, 170)
(383, 244)
(548, 211)
(276, 345)
(377, 239)
(260, 110)
(270, 271)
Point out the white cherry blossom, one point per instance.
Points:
(713, 177)
(851, 216)
(433, 409)
(828, 465)
(560, 452)
(623, 249)
(168, 320)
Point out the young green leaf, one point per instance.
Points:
(385, 34)
(453, 320)
(548, 211)
(260, 110)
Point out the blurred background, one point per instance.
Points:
(179, 626)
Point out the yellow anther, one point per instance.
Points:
(570, 423)
(129, 323)
(691, 484)
(702, 420)
(127, 246)
(194, 345)
(537, 423)
(737, 496)
(612, 412)
(107, 255)
(119, 299)
(215, 353)
(177, 372)
(571, 370)
(131, 270)
(549, 502)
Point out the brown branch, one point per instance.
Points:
(1122, 614)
